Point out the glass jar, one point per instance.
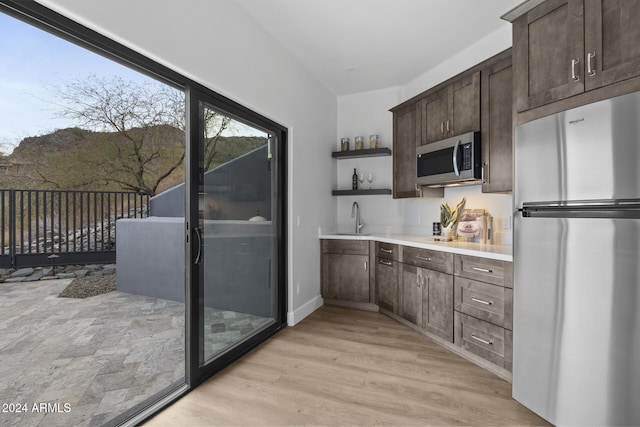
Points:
(344, 144)
(373, 141)
(359, 142)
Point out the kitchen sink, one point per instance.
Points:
(352, 234)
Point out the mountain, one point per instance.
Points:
(79, 159)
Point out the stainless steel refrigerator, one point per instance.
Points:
(576, 329)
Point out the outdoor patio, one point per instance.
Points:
(100, 355)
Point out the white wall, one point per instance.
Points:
(362, 113)
(222, 47)
(365, 114)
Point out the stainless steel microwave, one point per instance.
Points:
(452, 160)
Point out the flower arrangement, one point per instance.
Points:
(449, 217)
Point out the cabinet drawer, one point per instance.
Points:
(433, 260)
(353, 247)
(483, 339)
(490, 303)
(387, 251)
(485, 270)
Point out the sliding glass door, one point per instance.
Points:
(235, 220)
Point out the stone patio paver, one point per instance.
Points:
(101, 355)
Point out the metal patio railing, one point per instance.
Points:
(77, 227)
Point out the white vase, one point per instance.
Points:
(446, 233)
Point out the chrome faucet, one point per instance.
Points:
(355, 212)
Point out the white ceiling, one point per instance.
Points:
(360, 45)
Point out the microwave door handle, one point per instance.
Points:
(455, 158)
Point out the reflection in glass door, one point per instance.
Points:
(237, 233)
(237, 256)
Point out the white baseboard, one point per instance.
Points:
(304, 310)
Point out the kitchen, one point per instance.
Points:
(315, 131)
(551, 182)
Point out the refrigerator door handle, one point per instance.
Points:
(567, 210)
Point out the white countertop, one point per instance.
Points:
(498, 252)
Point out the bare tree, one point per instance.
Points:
(146, 116)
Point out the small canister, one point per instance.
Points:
(344, 144)
(359, 142)
(437, 229)
(373, 141)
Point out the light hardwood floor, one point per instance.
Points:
(347, 367)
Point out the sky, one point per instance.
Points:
(33, 64)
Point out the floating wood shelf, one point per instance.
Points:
(354, 154)
(361, 192)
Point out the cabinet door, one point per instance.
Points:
(437, 304)
(411, 295)
(434, 117)
(387, 285)
(497, 127)
(612, 32)
(346, 277)
(464, 106)
(405, 139)
(548, 49)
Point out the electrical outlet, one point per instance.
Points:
(297, 288)
(507, 223)
(298, 220)
(418, 219)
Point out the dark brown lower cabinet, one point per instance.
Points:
(387, 284)
(437, 303)
(484, 308)
(484, 339)
(427, 300)
(457, 299)
(345, 270)
(411, 295)
(347, 277)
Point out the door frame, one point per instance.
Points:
(195, 373)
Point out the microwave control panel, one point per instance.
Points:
(466, 157)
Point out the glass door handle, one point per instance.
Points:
(199, 253)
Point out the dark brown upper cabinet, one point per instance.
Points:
(451, 111)
(405, 137)
(563, 48)
(452, 108)
(612, 41)
(497, 127)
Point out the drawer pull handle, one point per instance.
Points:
(389, 251)
(387, 263)
(424, 258)
(481, 301)
(481, 340)
(483, 270)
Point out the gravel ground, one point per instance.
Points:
(89, 286)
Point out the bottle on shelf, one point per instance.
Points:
(354, 180)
